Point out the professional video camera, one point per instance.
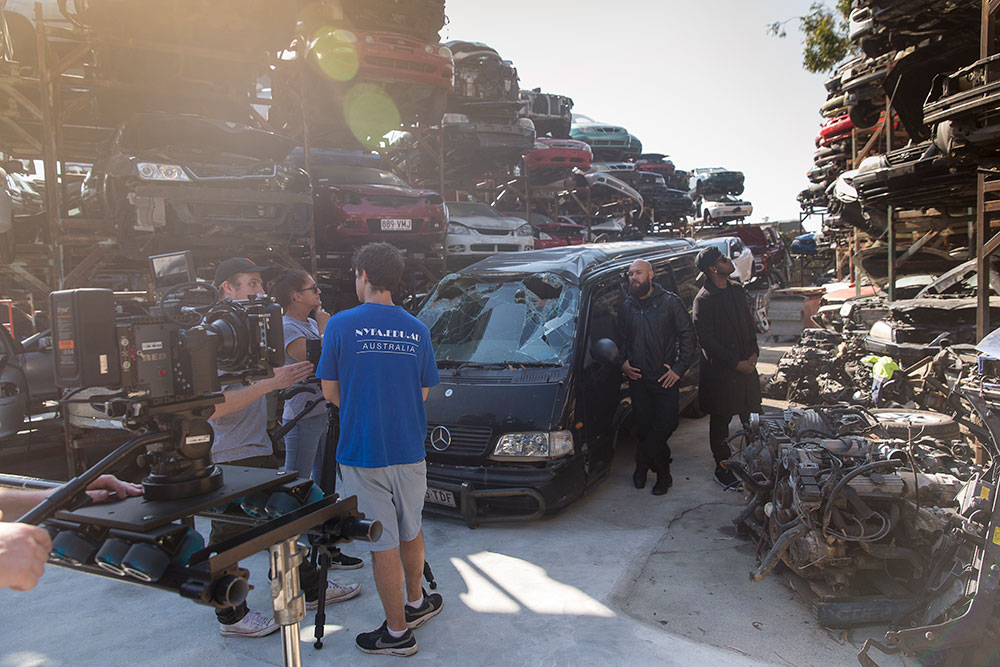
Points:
(163, 363)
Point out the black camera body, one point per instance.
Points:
(159, 358)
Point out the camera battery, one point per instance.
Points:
(83, 338)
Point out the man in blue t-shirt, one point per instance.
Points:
(378, 365)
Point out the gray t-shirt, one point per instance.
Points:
(242, 434)
(295, 329)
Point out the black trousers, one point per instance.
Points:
(308, 575)
(718, 433)
(655, 410)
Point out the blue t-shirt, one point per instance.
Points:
(382, 358)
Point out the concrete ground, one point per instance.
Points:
(619, 576)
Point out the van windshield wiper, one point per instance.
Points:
(533, 364)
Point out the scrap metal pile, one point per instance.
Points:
(882, 525)
(922, 58)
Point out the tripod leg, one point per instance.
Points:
(429, 576)
(324, 569)
(287, 598)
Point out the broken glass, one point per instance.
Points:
(515, 320)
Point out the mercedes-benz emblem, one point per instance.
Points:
(440, 438)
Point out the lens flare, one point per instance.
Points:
(370, 113)
(335, 53)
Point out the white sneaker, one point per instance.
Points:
(336, 593)
(254, 624)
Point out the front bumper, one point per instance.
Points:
(484, 245)
(212, 215)
(557, 157)
(499, 493)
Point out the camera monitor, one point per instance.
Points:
(171, 269)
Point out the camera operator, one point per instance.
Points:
(24, 549)
(240, 425)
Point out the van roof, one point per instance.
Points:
(574, 262)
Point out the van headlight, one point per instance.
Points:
(534, 445)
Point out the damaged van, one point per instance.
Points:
(531, 400)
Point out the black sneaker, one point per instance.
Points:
(726, 479)
(381, 642)
(341, 561)
(431, 606)
(639, 478)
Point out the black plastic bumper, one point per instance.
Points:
(486, 493)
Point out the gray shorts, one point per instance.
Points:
(394, 495)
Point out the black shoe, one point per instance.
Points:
(639, 478)
(341, 561)
(726, 479)
(663, 483)
(431, 606)
(380, 641)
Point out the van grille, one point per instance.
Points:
(465, 440)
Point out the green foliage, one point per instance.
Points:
(825, 41)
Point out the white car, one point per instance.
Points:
(724, 209)
(733, 248)
(477, 230)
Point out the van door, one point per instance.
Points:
(600, 384)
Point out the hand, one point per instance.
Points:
(745, 367)
(631, 371)
(753, 360)
(321, 317)
(286, 376)
(668, 379)
(23, 552)
(100, 489)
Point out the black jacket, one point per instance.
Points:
(728, 335)
(655, 331)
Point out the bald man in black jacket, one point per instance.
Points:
(658, 343)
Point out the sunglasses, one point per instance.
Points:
(312, 288)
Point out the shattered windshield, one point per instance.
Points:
(502, 320)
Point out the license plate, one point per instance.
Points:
(440, 497)
(397, 225)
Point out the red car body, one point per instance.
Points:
(834, 129)
(656, 163)
(348, 215)
(560, 153)
(352, 55)
(393, 57)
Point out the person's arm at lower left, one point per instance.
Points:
(16, 502)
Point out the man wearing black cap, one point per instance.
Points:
(241, 438)
(729, 384)
(657, 346)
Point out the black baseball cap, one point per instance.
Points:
(230, 267)
(707, 257)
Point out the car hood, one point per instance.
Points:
(873, 263)
(486, 222)
(170, 133)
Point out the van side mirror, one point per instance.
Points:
(605, 350)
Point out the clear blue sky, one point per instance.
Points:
(699, 80)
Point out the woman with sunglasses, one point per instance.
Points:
(304, 320)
